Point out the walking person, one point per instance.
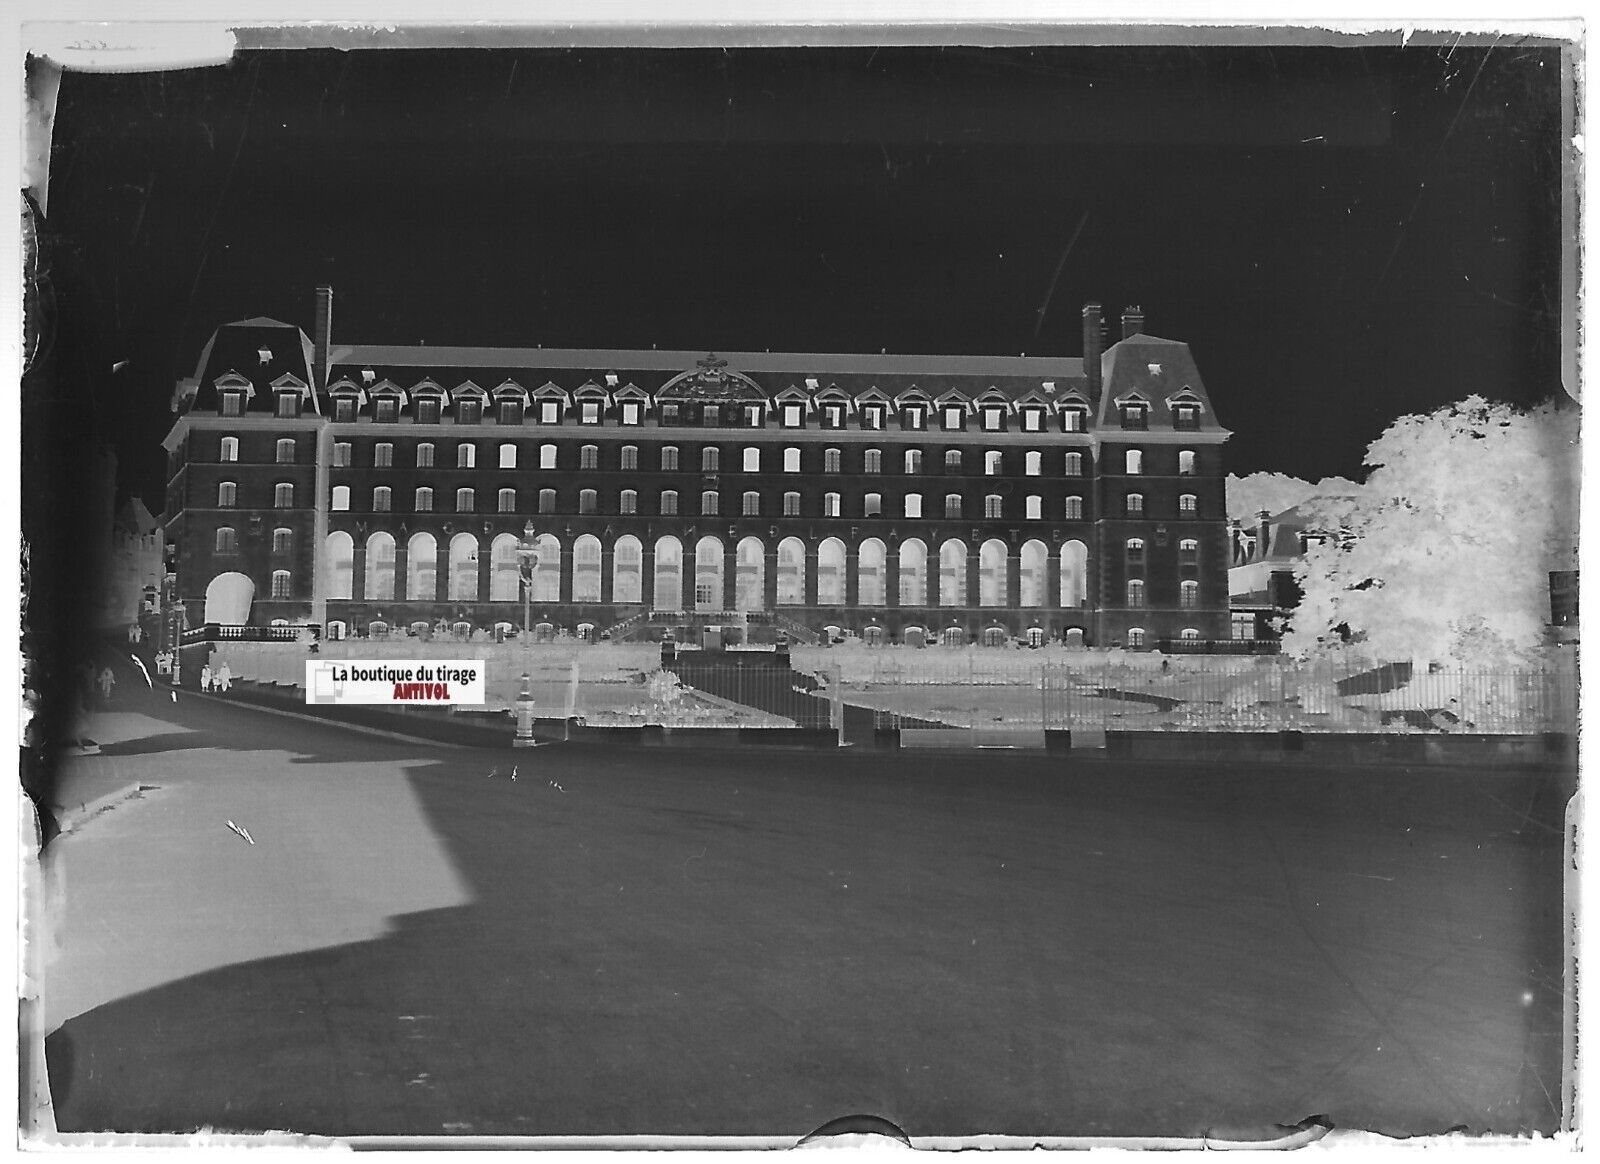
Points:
(205, 678)
(107, 682)
(224, 678)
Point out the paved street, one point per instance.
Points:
(741, 943)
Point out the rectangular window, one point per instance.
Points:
(629, 502)
(1186, 462)
(341, 454)
(669, 459)
(1035, 507)
(589, 457)
(428, 409)
(465, 502)
(1244, 626)
(669, 503)
(1074, 510)
(424, 456)
(669, 414)
(466, 456)
(507, 502)
(1186, 418)
(710, 416)
(588, 501)
(872, 505)
(872, 417)
(549, 412)
(227, 540)
(991, 505)
(380, 499)
(286, 452)
(791, 505)
(1032, 419)
(288, 405)
(632, 411)
(547, 501)
(283, 495)
(1073, 419)
(752, 460)
(1133, 462)
(1188, 504)
(469, 410)
(424, 500)
(952, 419)
(791, 416)
(913, 505)
(913, 460)
(914, 417)
(511, 412)
(590, 412)
(630, 458)
(754, 415)
(872, 461)
(1135, 505)
(508, 456)
(830, 505)
(993, 420)
(708, 503)
(791, 460)
(386, 410)
(1135, 592)
(1074, 466)
(1135, 416)
(282, 541)
(228, 449)
(344, 410)
(340, 499)
(709, 458)
(752, 505)
(383, 454)
(833, 416)
(232, 403)
(830, 460)
(952, 505)
(280, 584)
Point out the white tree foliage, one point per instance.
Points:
(1444, 554)
(1275, 492)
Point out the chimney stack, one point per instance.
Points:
(321, 337)
(1093, 345)
(1132, 321)
(1263, 533)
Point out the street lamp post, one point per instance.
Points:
(528, 562)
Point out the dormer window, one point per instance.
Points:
(1032, 420)
(833, 416)
(754, 414)
(1186, 417)
(872, 417)
(428, 410)
(669, 414)
(632, 412)
(387, 410)
(589, 412)
(264, 355)
(1135, 415)
(549, 412)
(288, 405)
(1074, 419)
(953, 418)
(511, 412)
(233, 403)
(914, 417)
(791, 415)
(469, 410)
(344, 410)
(994, 420)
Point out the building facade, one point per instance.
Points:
(894, 497)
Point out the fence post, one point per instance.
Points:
(572, 699)
(836, 700)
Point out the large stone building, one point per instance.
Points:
(892, 496)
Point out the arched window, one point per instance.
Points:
(1189, 634)
(669, 503)
(709, 459)
(830, 460)
(1136, 636)
(627, 577)
(1188, 594)
(630, 458)
(341, 454)
(708, 502)
(791, 460)
(547, 501)
(791, 572)
(280, 584)
(341, 498)
(872, 461)
(1033, 566)
(1074, 573)
(669, 458)
(870, 576)
(1188, 504)
(830, 573)
(1035, 507)
(424, 455)
(380, 499)
(283, 495)
(791, 505)
(628, 502)
(1188, 550)
(1135, 505)
(282, 540)
(227, 540)
(1074, 509)
(589, 457)
(952, 505)
(752, 460)
(341, 558)
(508, 456)
(463, 568)
(504, 569)
(953, 573)
(1135, 591)
(227, 494)
(1186, 462)
(383, 455)
(379, 582)
(465, 501)
(752, 504)
(992, 573)
(830, 505)
(750, 568)
(588, 501)
(466, 456)
(586, 569)
(506, 501)
(952, 460)
(913, 556)
(992, 505)
(228, 449)
(424, 500)
(913, 460)
(872, 505)
(708, 579)
(286, 451)
(913, 505)
(1133, 461)
(1074, 465)
(1135, 552)
(667, 585)
(1032, 463)
(422, 568)
(992, 462)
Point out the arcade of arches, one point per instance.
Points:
(710, 574)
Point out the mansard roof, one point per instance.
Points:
(1161, 371)
(260, 351)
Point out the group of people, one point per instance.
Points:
(218, 681)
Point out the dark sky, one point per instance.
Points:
(1341, 234)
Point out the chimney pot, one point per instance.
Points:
(1132, 321)
(322, 337)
